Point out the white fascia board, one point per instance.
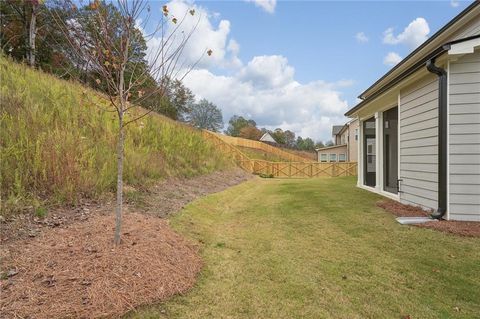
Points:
(465, 47)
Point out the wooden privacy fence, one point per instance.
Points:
(281, 169)
(243, 142)
(239, 157)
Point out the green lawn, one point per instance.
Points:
(319, 248)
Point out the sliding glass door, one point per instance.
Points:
(369, 153)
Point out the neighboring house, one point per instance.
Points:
(345, 138)
(337, 137)
(267, 138)
(420, 124)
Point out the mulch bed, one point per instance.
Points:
(77, 272)
(66, 266)
(161, 200)
(460, 228)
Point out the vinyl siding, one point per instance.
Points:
(418, 143)
(464, 137)
(352, 143)
(340, 149)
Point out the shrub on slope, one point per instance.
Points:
(58, 142)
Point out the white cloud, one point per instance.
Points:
(267, 5)
(413, 35)
(361, 37)
(454, 3)
(273, 98)
(268, 71)
(264, 89)
(392, 58)
(207, 36)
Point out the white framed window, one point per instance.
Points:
(356, 134)
(342, 157)
(323, 157)
(333, 157)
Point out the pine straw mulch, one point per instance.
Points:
(76, 272)
(459, 228)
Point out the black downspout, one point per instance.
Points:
(442, 138)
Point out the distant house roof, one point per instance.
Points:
(336, 129)
(267, 138)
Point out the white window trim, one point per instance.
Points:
(360, 153)
(448, 141)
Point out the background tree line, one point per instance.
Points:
(30, 33)
(238, 126)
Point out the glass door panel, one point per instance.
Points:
(369, 152)
(390, 150)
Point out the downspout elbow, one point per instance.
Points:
(442, 137)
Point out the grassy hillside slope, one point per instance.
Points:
(57, 143)
(254, 153)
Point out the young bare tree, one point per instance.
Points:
(106, 39)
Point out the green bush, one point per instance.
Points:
(58, 142)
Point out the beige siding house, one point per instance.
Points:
(345, 147)
(420, 124)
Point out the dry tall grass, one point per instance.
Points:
(57, 143)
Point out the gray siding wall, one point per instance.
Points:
(464, 137)
(418, 143)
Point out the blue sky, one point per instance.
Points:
(300, 65)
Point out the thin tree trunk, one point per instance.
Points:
(121, 136)
(26, 30)
(31, 37)
(119, 206)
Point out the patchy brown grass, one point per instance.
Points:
(276, 248)
(77, 272)
(460, 228)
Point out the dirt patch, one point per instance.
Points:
(161, 200)
(77, 272)
(172, 195)
(459, 228)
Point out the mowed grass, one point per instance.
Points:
(319, 248)
(58, 143)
